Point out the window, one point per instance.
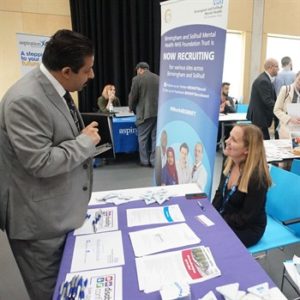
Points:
(284, 45)
(234, 63)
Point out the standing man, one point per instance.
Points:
(199, 174)
(263, 97)
(143, 101)
(286, 76)
(45, 160)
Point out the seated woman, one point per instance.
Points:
(241, 196)
(288, 94)
(108, 99)
(169, 173)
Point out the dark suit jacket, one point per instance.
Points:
(143, 96)
(45, 163)
(262, 100)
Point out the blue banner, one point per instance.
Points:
(191, 67)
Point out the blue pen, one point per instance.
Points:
(82, 289)
(73, 284)
(79, 284)
(64, 291)
(94, 223)
(200, 204)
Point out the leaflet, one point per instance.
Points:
(154, 215)
(95, 251)
(158, 239)
(99, 220)
(96, 284)
(189, 265)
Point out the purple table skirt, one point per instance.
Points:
(232, 258)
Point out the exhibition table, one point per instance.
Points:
(124, 134)
(231, 257)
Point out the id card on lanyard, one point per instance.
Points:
(229, 194)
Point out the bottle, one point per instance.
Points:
(110, 108)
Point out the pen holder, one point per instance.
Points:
(175, 291)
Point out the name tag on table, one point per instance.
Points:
(205, 220)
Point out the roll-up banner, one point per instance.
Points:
(31, 48)
(193, 36)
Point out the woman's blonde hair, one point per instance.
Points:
(106, 89)
(255, 161)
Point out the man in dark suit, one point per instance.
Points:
(45, 160)
(263, 97)
(143, 101)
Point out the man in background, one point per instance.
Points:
(143, 101)
(45, 160)
(263, 97)
(286, 76)
(227, 103)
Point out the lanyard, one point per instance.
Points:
(229, 194)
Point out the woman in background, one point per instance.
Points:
(241, 196)
(108, 99)
(169, 173)
(288, 94)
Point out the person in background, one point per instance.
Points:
(108, 99)
(288, 94)
(286, 76)
(161, 156)
(199, 174)
(169, 173)
(46, 160)
(182, 166)
(227, 104)
(241, 195)
(143, 101)
(263, 97)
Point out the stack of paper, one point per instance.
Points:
(154, 215)
(158, 239)
(189, 265)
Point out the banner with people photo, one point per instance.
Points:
(31, 48)
(191, 66)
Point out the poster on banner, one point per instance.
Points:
(31, 48)
(191, 66)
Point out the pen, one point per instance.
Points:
(201, 205)
(82, 289)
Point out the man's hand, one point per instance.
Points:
(92, 131)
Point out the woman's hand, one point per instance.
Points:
(294, 120)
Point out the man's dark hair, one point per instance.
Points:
(225, 83)
(142, 65)
(184, 145)
(67, 48)
(285, 61)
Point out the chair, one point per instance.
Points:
(295, 168)
(241, 108)
(283, 211)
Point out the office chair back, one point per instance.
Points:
(283, 199)
(241, 108)
(295, 168)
